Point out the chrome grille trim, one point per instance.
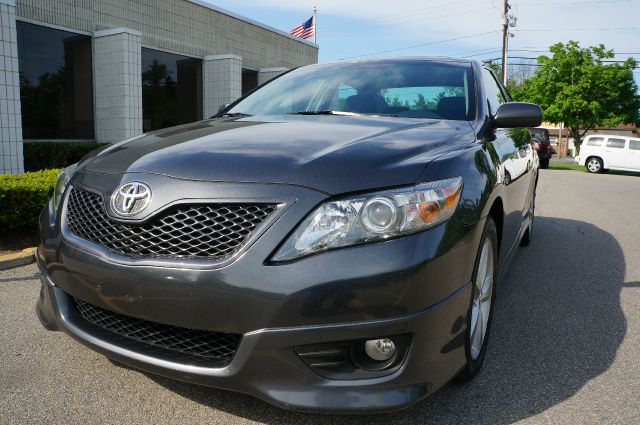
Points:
(212, 232)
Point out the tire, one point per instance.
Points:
(544, 163)
(479, 316)
(594, 165)
(526, 238)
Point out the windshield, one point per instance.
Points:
(412, 89)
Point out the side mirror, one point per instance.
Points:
(518, 114)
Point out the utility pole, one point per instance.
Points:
(505, 35)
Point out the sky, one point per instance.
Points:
(457, 28)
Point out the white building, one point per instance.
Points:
(106, 70)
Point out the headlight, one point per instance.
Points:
(373, 217)
(61, 185)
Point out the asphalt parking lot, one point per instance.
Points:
(565, 346)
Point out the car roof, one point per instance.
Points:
(369, 59)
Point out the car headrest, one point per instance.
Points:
(452, 108)
(367, 103)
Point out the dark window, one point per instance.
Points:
(634, 144)
(56, 88)
(541, 134)
(249, 80)
(595, 141)
(171, 89)
(616, 143)
(494, 94)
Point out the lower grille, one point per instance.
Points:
(213, 349)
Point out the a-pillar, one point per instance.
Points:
(266, 74)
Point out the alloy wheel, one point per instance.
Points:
(482, 296)
(593, 165)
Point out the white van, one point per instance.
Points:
(600, 152)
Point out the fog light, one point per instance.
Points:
(380, 349)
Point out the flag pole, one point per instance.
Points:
(315, 26)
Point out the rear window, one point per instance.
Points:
(595, 141)
(634, 144)
(616, 143)
(541, 134)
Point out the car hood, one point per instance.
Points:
(333, 154)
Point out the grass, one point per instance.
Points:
(567, 166)
(574, 166)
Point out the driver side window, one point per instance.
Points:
(495, 97)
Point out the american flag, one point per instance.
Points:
(304, 30)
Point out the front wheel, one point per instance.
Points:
(481, 305)
(595, 165)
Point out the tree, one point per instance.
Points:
(158, 96)
(517, 76)
(420, 104)
(578, 87)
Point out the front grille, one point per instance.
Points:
(213, 231)
(215, 349)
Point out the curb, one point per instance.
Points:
(22, 258)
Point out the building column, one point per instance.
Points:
(266, 74)
(221, 82)
(117, 81)
(11, 159)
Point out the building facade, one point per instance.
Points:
(107, 70)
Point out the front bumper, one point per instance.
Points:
(413, 286)
(267, 367)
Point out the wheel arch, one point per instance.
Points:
(586, 161)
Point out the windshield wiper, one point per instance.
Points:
(234, 114)
(343, 113)
(325, 112)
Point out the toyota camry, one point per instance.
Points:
(333, 241)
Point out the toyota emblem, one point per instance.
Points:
(131, 198)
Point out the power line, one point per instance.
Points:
(547, 51)
(579, 29)
(604, 60)
(480, 54)
(537, 64)
(468, 52)
(444, 6)
(423, 45)
(570, 3)
(358, 27)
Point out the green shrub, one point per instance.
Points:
(47, 155)
(22, 198)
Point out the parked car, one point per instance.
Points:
(331, 242)
(542, 145)
(601, 152)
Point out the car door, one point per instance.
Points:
(633, 155)
(516, 163)
(615, 153)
